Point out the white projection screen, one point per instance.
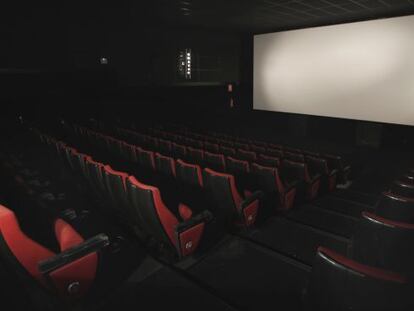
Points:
(362, 71)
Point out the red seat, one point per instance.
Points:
(246, 155)
(165, 165)
(277, 191)
(70, 273)
(239, 205)
(156, 219)
(215, 161)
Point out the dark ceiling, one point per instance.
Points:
(271, 15)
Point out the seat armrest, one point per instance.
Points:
(257, 195)
(72, 254)
(189, 233)
(203, 217)
(249, 208)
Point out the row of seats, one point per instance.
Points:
(220, 143)
(138, 204)
(234, 201)
(312, 164)
(398, 202)
(358, 246)
(282, 182)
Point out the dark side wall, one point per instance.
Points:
(53, 51)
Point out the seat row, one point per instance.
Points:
(218, 142)
(284, 181)
(176, 230)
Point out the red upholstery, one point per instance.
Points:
(250, 213)
(92, 161)
(190, 239)
(185, 212)
(66, 235)
(363, 269)
(83, 270)
(27, 252)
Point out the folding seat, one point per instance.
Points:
(125, 151)
(193, 143)
(145, 158)
(189, 174)
(242, 146)
(94, 172)
(165, 146)
(61, 151)
(268, 160)
(138, 139)
(211, 147)
(152, 143)
(278, 192)
(336, 162)
(297, 173)
(311, 154)
(227, 143)
(179, 151)
(339, 283)
(274, 146)
(169, 136)
(275, 153)
(181, 237)
(396, 207)
(115, 147)
(408, 178)
(215, 161)
(320, 166)
(246, 155)
(402, 188)
(257, 149)
(227, 151)
(292, 150)
(165, 165)
(195, 155)
(240, 169)
(259, 143)
(131, 153)
(80, 163)
(235, 204)
(69, 272)
(69, 153)
(296, 157)
(115, 182)
(384, 243)
(180, 139)
(237, 167)
(98, 141)
(93, 138)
